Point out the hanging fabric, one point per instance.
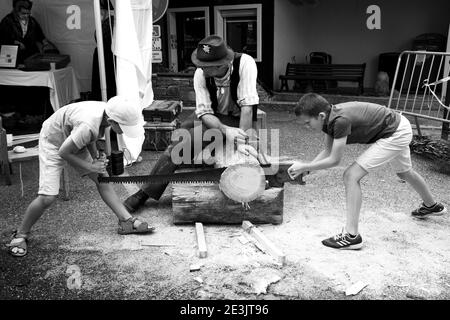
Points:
(132, 45)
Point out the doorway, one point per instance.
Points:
(187, 26)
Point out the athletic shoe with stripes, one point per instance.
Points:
(344, 241)
(437, 210)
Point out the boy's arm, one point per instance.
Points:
(328, 145)
(92, 147)
(329, 161)
(67, 152)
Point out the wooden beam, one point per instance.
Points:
(202, 250)
(266, 243)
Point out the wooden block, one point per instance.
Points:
(195, 267)
(204, 202)
(261, 120)
(201, 242)
(261, 123)
(266, 243)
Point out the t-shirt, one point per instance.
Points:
(361, 122)
(79, 121)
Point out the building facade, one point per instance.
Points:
(276, 32)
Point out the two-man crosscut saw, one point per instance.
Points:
(276, 175)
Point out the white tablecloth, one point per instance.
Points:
(63, 84)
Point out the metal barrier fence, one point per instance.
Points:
(421, 86)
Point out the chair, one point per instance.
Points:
(7, 158)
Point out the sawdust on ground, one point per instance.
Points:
(403, 258)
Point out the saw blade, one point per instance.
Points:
(203, 176)
(276, 174)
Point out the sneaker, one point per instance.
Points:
(437, 210)
(344, 241)
(133, 202)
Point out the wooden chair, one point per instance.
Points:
(7, 158)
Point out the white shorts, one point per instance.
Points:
(394, 149)
(51, 166)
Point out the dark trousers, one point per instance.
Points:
(165, 165)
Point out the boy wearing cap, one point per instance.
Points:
(226, 100)
(389, 134)
(70, 135)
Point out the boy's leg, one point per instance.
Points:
(419, 185)
(111, 199)
(34, 211)
(353, 194)
(349, 238)
(429, 206)
(50, 168)
(403, 166)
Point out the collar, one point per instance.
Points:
(225, 80)
(327, 117)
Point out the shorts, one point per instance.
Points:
(51, 166)
(394, 149)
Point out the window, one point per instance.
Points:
(240, 27)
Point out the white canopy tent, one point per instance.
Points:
(71, 26)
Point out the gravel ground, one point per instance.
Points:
(403, 258)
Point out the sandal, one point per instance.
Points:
(127, 227)
(18, 246)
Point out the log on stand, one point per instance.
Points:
(206, 203)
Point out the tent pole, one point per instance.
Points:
(101, 55)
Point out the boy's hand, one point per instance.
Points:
(296, 169)
(99, 165)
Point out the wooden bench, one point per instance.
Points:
(324, 72)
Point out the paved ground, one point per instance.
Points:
(403, 258)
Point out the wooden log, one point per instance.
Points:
(206, 203)
(264, 241)
(243, 182)
(201, 241)
(197, 202)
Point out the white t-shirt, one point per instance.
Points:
(79, 121)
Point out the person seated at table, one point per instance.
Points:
(20, 28)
